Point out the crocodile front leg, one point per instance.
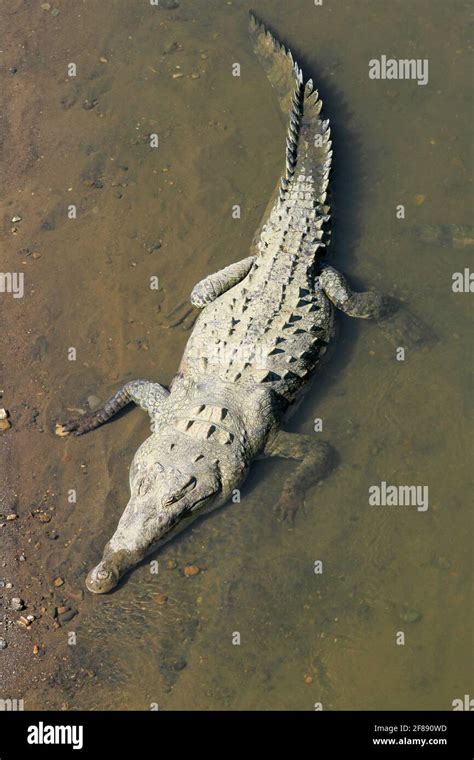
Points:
(317, 458)
(149, 396)
(399, 325)
(212, 287)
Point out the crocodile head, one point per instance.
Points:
(169, 485)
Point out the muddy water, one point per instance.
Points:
(164, 638)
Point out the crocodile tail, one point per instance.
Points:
(308, 144)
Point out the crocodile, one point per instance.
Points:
(265, 324)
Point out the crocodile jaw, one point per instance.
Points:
(166, 494)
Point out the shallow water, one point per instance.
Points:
(305, 638)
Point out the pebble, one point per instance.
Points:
(46, 6)
(170, 47)
(177, 75)
(10, 518)
(5, 424)
(67, 615)
(420, 199)
(191, 570)
(36, 649)
(3, 644)
(58, 582)
(195, 76)
(88, 105)
(103, 59)
(36, 255)
(23, 621)
(17, 604)
(59, 430)
(16, 219)
(308, 679)
(171, 564)
(3, 414)
(160, 598)
(43, 517)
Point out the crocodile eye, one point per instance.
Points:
(145, 485)
(177, 494)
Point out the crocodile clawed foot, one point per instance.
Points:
(287, 507)
(404, 328)
(78, 426)
(103, 578)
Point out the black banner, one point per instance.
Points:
(374, 734)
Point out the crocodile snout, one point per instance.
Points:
(103, 578)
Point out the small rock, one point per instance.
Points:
(58, 582)
(36, 649)
(160, 598)
(59, 430)
(17, 604)
(55, 12)
(36, 255)
(88, 105)
(65, 617)
(16, 219)
(103, 59)
(5, 424)
(171, 564)
(195, 76)
(3, 414)
(191, 570)
(308, 679)
(46, 6)
(170, 47)
(3, 644)
(177, 75)
(43, 517)
(10, 518)
(24, 622)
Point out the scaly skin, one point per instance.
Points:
(265, 325)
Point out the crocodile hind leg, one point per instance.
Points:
(212, 287)
(316, 460)
(398, 324)
(149, 396)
